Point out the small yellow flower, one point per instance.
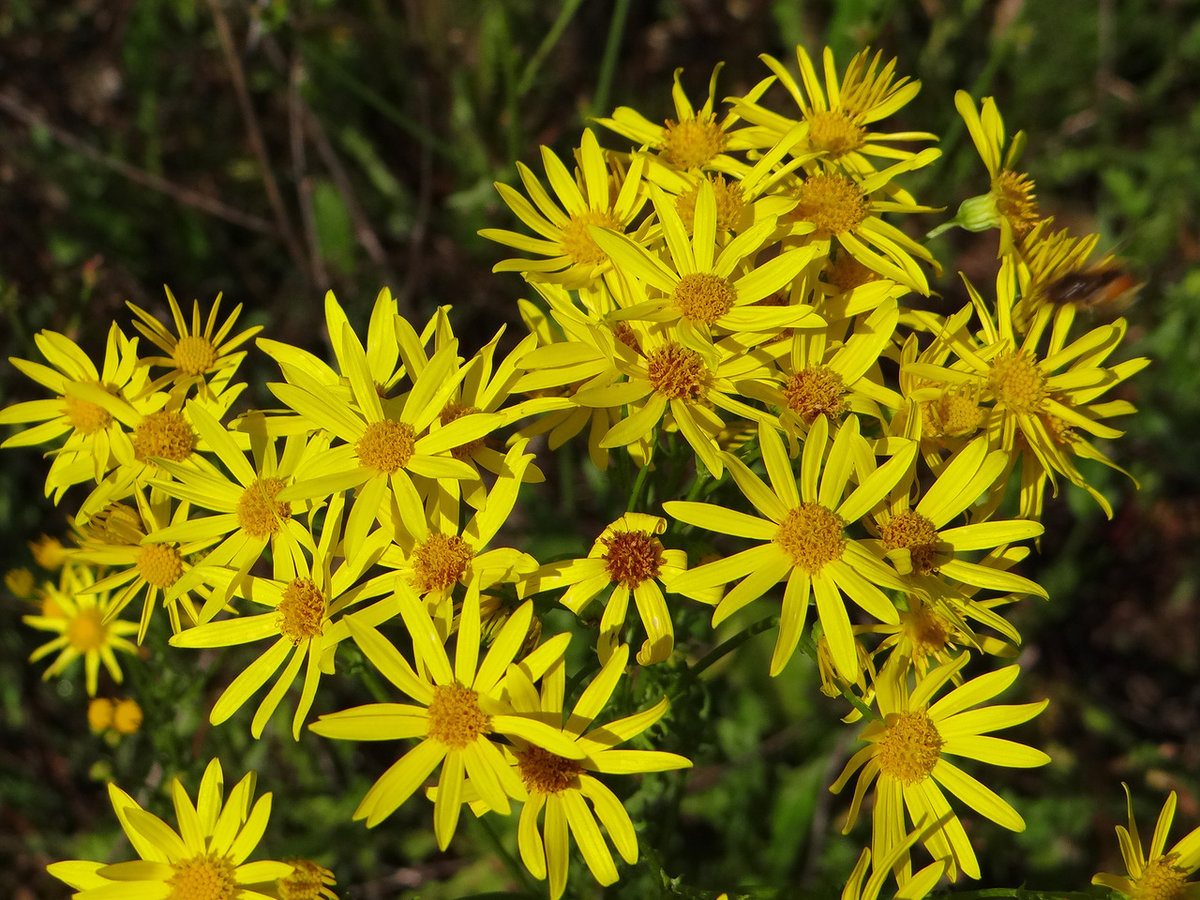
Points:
(1156, 875)
(48, 552)
(204, 860)
(906, 757)
(83, 626)
(100, 714)
(127, 716)
(19, 582)
(308, 881)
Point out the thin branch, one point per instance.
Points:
(254, 134)
(183, 195)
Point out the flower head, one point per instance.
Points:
(1158, 874)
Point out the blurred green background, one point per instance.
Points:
(271, 150)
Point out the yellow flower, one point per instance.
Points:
(19, 582)
(84, 627)
(115, 538)
(127, 716)
(308, 881)
(1156, 875)
(601, 193)
(205, 858)
(560, 788)
(906, 758)
(196, 356)
(626, 559)
(299, 625)
(1010, 203)
(100, 714)
(803, 539)
(694, 139)
(250, 513)
(1042, 393)
(87, 451)
(48, 552)
(837, 117)
(908, 886)
(459, 711)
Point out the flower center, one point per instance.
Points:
(913, 531)
(160, 564)
(546, 773)
(203, 878)
(954, 414)
(835, 132)
(301, 611)
(455, 718)
(1017, 382)
(834, 203)
(624, 333)
(925, 628)
(693, 142)
(910, 747)
(676, 372)
(846, 273)
(439, 561)
(86, 417)
(87, 631)
(632, 557)
(258, 513)
(194, 354)
(731, 204)
(815, 391)
(165, 434)
(1162, 879)
(577, 242)
(306, 881)
(454, 410)
(386, 446)
(1016, 200)
(704, 297)
(812, 536)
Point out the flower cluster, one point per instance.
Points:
(725, 312)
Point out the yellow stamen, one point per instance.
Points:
(205, 877)
(913, 531)
(86, 630)
(577, 242)
(165, 434)
(194, 354)
(1017, 382)
(834, 203)
(693, 142)
(258, 513)
(545, 773)
(835, 132)
(704, 297)
(910, 747)
(812, 536)
(1016, 200)
(386, 446)
(455, 718)
(86, 417)
(454, 410)
(1162, 879)
(816, 391)
(731, 204)
(676, 372)
(632, 557)
(301, 610)
(160, 564)
(439, 561)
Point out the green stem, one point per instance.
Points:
(733, 643)
(530, 73)
(608, 63)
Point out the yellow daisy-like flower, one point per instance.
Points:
(930, 557)
(706, 291)
(626, 559)
(601, 194)
(48, 552)
(694, 139)
(308, 881)
(204, 860)
(299, 625)
(116, 539)
(196, 356)
(803, 539)
(458, 714)
(560, 788)
(127, 716)
(1160, 874)
(1043, 392)
(1010, 203)
(847, 212)
(906, 758)
(838, 116)
(250, 513)
(91, 430)
(82, 623)
(383, 446)
(831, 378)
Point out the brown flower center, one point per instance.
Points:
(632, 557)
(545, 773)
(834, 203)
(913, 531)
(704, 297)
(816, 391)
(439, 561)
(301, 611)
(676, 372)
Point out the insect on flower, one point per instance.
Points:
(1105, 287)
